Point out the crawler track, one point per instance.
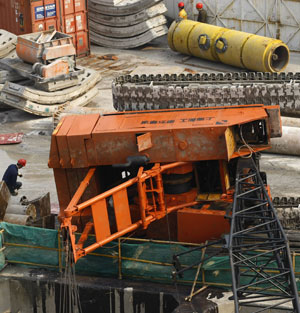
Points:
(148, 92)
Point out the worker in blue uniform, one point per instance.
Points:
(10, 177)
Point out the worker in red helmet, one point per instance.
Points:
(182, 13)
(10, 177)
(202, 15)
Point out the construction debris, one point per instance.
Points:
(12, 138)
(36, 212)
(10, 76)
(25, 70)
(42, 103)
(126, 24)
(7, 43)
(108, 57)
(44, 79)
(45, 57)
(52, 53)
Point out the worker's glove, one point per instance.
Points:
(20, 175)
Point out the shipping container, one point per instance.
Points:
(272, 18)
(67, 16)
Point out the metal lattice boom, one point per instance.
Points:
(262, 272)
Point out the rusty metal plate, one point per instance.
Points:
(78, 136)
(213, 225)
(181, 119)
(13, 138)
(176, 135)
(144, 142)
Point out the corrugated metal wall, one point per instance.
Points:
(272, 18)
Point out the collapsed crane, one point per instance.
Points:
(122, 172)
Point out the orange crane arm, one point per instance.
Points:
(149, 210)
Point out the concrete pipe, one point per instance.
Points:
(22, 209)
(289, 143)
(228, 46)
(17, 219)
(290, 121)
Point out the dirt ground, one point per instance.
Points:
(283, 171)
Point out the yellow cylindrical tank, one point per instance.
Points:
(233, 41)
(271, 55)
(228, 46)
(207, 34)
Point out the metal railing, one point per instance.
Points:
(120, 258)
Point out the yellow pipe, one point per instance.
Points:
(228, 46)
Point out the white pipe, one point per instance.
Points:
(289, 143)
(17, 219)
(290, 121)
(22, 209)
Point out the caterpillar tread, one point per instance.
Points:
(152, 92)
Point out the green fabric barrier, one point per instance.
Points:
(217, 269)
(32, 236)
(93, 264)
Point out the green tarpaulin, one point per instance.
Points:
(37, 247)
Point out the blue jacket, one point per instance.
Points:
(10, 177)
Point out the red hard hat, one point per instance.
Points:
(180, 5)
(199, 5)
(22, 162)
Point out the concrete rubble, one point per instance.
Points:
(126, 24)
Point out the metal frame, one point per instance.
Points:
(149, 181)
(267, 275)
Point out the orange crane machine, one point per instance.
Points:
(121, 172)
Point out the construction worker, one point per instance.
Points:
(182, 13)
(10, 177)
(202, 15)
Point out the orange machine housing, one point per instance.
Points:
(189, 160)
(67, 16)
